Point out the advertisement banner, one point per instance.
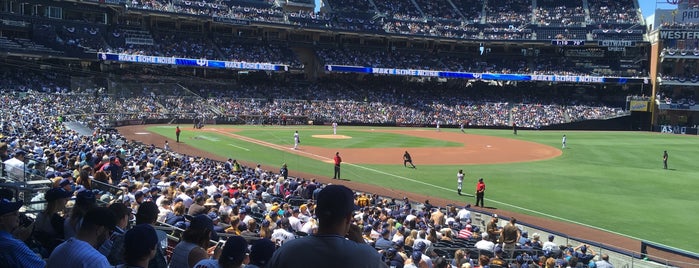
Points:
(638, 106)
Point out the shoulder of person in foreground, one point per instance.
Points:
(308, 253)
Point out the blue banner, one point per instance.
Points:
(192, 62)
(487, 76)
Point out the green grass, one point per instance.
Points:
(360, 139)
(610, 180)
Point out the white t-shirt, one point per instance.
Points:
(325, 251)
(282, 235)
(463, 214)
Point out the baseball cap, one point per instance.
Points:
(139, 240)
(100, 216)
(385, 232)
(235, 249)
(261, 251)
(416, 256)
(56, 193)
(421, 246)
(85, 197)
(200, 222)
(64, 182)
(6, 206)
(335, 201)
(551, 237)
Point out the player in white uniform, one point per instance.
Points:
(459, 180)
(461, 126)
(334, 128)
(296, 140)
(438, 123)
(564, 141)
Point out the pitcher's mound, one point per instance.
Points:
(337, 137)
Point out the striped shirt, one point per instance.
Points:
(76, 253)
(14, 253)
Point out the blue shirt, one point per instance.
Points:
(14, 253)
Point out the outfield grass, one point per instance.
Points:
(610, 180)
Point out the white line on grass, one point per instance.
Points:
(236, 146)
(324, 158)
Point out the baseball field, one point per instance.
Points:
(610, 181)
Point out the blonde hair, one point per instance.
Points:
(411, 238)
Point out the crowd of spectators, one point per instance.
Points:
(430, 17)
(560, 13)
(378, 100)
(517, 12)
(613, 13)
(199, 201)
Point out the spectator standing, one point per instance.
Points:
(480, 192)
(510, 237)
(338, 161)
(14, 252)
(338, 242)
(80, 251)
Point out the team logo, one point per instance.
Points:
(202, 62)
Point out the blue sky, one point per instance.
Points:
(647, 6)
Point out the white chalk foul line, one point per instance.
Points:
(279, 147)
(242, 148)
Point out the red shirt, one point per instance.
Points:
(338, 160)
(177, 131)
(480, 187)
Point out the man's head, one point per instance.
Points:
(235, 252)
(335, 205)
(261, 251)
(140, 243)
(147, 213)
(9, 214)
(97, 225)
(19, 154)
(122, 214)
